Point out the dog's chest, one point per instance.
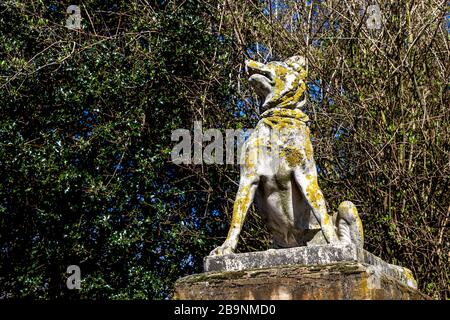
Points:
(277, 149)
(283, 134)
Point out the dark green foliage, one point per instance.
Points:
(87, 116)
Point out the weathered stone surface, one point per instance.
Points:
(401, 274)
(336, 281)
(306, 255)
(317, 255)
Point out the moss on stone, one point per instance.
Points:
(212, 277)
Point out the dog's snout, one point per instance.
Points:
(255, 67)
(251, 65)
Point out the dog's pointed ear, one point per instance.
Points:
(297, 63)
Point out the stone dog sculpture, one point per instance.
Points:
(278, 170)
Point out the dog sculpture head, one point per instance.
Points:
(280, 84)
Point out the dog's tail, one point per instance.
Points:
(349, 225)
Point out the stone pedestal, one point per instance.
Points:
(303, 273)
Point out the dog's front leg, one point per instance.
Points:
(307, 182)
(244, 198)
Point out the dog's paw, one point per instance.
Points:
(222, 250)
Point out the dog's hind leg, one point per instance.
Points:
(307, 183)
(244, 198)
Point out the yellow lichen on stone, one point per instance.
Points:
(252, 64)
(251, 158)
(326, 219)
(286, 113)
(280, 81)
(294, 98)
(303, 73)
(242, 201)
(293, 156)
(277, 123)
(365, 292)
(409, 277)
(313, 192)
(308, 149)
